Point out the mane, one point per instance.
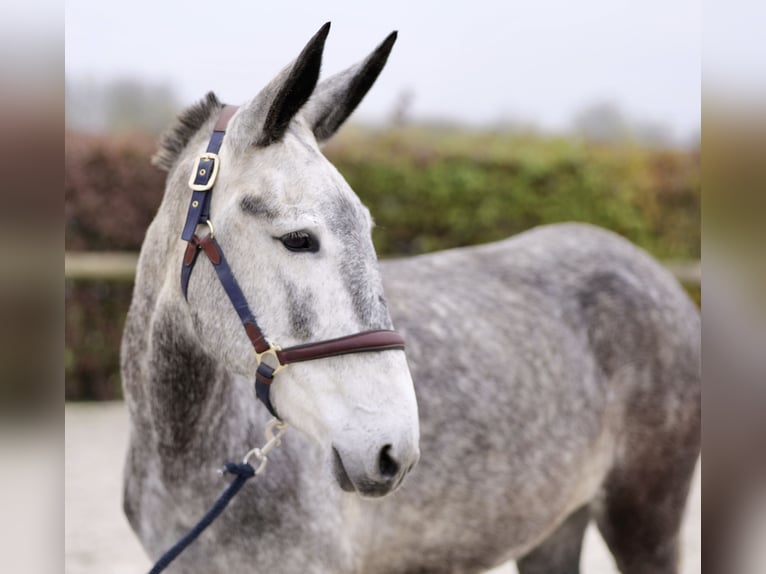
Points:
(189, 122)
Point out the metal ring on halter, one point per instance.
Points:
(272, 351)
(211, 228)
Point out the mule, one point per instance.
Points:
(549, 380)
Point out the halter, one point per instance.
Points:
(202, 180)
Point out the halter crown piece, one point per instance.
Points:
(202, 180)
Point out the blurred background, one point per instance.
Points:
(489, 119)
(486, 121)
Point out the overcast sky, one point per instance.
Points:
(540, 61)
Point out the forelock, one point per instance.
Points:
(189, 122)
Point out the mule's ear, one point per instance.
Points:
(269, 114)
(336, 97)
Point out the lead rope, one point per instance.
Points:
(243, 472)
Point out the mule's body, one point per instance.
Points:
(557, 378)
(554, 370)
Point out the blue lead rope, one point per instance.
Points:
(243, 472)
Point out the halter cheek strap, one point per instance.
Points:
(204, 176)
(202, 181)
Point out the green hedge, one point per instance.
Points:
(427, 189)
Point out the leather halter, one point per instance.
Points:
(202, 181)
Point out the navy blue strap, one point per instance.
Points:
(264, 376)
(203, 178)
(225, 275)
(202, 181)
(190, 258)
(243, 472)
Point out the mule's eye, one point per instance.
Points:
(300, 241)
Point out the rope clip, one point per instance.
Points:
(273, 434)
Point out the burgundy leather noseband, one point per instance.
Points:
(202, 181)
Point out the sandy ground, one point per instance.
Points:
(98, 539)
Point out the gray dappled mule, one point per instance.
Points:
(557, 373)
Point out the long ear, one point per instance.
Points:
(336, 97)
(266, 118)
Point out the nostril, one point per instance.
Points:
(389, 468)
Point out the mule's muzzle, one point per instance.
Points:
(383, 478)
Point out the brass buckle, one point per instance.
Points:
(272, 351)
(196, 172)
